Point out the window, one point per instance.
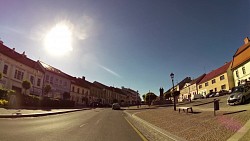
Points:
(56, 82)
(73, 89)
(19, 75)
(237, 73)
(206, 84)
(215, 89)
(47, 78)
(38, 82)
(5, 69)
(32, 79)
(223, 87)
(82, 91)
(200, 86)
(213, 81)
(51, 79)
(243, 70)
(78, 90)
(222, 77)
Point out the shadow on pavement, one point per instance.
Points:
(234, 112)
(203, 103)
(143, 108)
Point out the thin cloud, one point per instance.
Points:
(110, 71)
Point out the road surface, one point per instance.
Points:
(88, 125)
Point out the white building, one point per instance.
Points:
(58, 80)
(16, 68)
(241, 63)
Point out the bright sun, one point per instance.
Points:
(58, 40)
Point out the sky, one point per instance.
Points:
(130, 43)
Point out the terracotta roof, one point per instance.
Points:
(216, 72)
(54, 70)
(183, 82)
(80, 82)
(242, 55)
(21, 58)
(198, 79)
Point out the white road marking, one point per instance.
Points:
(83, 124)
(97, 121)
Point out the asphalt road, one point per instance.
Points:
(89, 125)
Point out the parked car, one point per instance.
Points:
(212, 94)
(96, 104)
(198, 96)
(116, 106)
(221, 93)
(239, 95)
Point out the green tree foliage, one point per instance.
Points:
(150, 97)
(47, 89)
(26, 85)
(1, 75)
(144, 97)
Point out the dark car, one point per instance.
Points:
(96, 104)
(211, 94)
(116, 106)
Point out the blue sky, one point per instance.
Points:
(131, 43)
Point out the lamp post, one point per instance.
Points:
(172, 77)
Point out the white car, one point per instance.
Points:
(239, 95)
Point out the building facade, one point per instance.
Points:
(80, 91)
(216, 80)
(16, 68)
(58, 81)
(241, 63)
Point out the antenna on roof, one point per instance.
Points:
(205, 69)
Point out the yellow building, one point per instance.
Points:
(219, 79)
(241, 63)
(190, 89)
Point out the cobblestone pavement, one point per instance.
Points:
(151, 132)
(201, 125)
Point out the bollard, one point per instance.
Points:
(216, 105)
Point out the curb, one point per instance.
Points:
(39, 114)
(163, 133)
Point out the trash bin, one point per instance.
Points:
(216, 104)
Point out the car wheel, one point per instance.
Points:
(243, 100)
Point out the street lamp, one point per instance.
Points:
(172, 77)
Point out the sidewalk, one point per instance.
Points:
(17, 113)
(201, 125)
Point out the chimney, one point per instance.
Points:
(1, 42)
(246, 40)
(24, 54)
(13, 49)
(83, 78)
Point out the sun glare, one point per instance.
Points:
(58, 40)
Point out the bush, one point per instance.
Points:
(3, 94)
(3, 102)
(35, 101)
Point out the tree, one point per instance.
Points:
(47, 89)
(1, 75)
(144, 97)
(150, 97)
(26, 85)
(66, 96)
